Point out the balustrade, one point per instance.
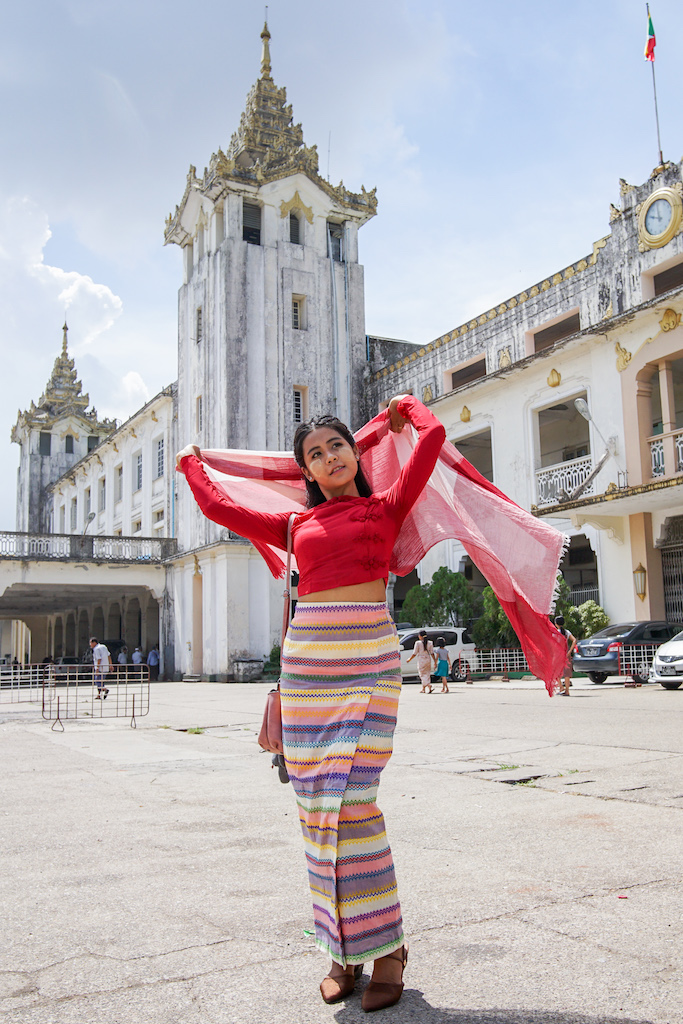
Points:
(657, 457)
(77, 547)
(557, 483)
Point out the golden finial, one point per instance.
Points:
(65, 330)
(265, 52)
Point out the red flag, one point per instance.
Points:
(651, 41)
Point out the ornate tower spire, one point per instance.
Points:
(265, 52)
(65, 329)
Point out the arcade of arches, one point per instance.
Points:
(133, 620)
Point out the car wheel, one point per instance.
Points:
(672, 686)
(458, 672)
(597, 677)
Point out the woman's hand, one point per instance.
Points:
(189, 449)
(396, 421)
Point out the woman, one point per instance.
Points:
(568, 666)
(340, 683)
(426, 661)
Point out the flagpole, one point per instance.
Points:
(654, 90)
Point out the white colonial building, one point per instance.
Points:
(604, 333)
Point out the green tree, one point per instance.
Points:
(493, 628)
(447, 600)
(593, 618)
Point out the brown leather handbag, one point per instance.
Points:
(270, 736)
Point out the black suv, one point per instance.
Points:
(598, 656)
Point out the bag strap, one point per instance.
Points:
(286, 611)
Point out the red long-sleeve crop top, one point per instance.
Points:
(345, 540)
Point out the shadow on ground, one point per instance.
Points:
(414, 1007)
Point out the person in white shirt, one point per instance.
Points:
(101, 660)
(137, 656)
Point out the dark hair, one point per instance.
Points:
(422, 632)
(559, 622)
(441, 641)
(314, 495)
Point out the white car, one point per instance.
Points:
(458, 641)
(667, 666)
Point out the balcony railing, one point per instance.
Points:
(657, 457)
(658, 447)
(557, 483)
(79, 548)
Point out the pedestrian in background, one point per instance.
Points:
(443, 664)
(568, 667)
(424, 652)
(153, 663)
(101, 660)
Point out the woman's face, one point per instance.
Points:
(331, 462)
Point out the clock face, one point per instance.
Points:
(658, 217)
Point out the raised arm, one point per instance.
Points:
(264, 527)
(416, 472)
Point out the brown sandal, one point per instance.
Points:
(333, 990)
(380, 994)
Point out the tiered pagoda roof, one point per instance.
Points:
(62, 397)
(267, 146)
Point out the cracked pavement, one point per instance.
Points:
(156, 876)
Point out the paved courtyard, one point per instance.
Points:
(156, 876)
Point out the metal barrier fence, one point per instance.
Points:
(22, 683)
(635, 660)
(74, 691)
(501, 661)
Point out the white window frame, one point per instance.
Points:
(161, 457)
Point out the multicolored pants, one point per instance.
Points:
(339, 688)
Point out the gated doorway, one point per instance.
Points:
(672, 568)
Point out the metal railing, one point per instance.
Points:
(76, 691)
(587, 592)
(635, 660)
(557, 483)
(22, 683)
(500, 661)
(76, 547)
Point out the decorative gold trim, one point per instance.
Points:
(670, 320)
(672, 195)
(554, 379)
(465, 415)
(623, 357)
(427, 394)
(296, 203)
(504, 358)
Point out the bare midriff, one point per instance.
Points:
(372, 591)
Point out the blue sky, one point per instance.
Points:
(495, 133)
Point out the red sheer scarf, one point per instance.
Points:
(518, 554)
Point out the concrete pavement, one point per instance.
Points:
(156, 876)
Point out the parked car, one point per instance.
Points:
(667, 665)
(69, 667)
(598, 656)
(458, 641)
